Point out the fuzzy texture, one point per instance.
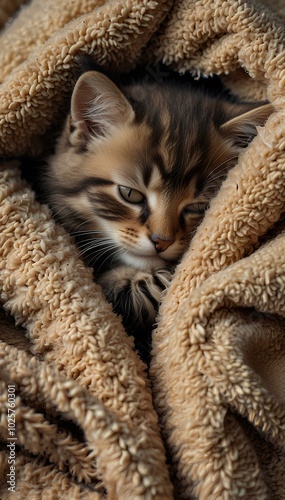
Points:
(87, 425)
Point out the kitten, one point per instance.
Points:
(133, 173)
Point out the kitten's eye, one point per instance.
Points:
(131, 195)
(195, 208)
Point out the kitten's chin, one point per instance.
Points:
(144, 262)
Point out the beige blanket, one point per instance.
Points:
(79, 417)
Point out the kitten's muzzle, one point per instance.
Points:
(161, 244)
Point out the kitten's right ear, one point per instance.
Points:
(243, 127)
(97, 105)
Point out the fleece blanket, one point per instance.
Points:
(80, 416)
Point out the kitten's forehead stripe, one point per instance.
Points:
(159, 163)
(175, 135)
(147, 173)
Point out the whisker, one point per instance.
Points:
(99, 249)
(95, 242)
(56, 213)
(116, 252)
(218, 172)
(220, 147)
(218, 168)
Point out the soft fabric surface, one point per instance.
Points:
(90, 423)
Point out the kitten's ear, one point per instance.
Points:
(97, 105)
(243, 127)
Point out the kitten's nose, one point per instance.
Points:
(160, 242)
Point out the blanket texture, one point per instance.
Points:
(80, 417)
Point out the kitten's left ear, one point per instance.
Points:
(242, 128)
(97, 105)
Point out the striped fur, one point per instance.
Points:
(134, 170)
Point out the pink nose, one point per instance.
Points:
(161, 243)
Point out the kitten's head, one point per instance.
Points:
(136, 169)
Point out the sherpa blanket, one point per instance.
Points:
(81, 418)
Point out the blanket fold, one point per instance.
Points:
(231, 362)
(80, 415)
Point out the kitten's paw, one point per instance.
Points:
(135, 294)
